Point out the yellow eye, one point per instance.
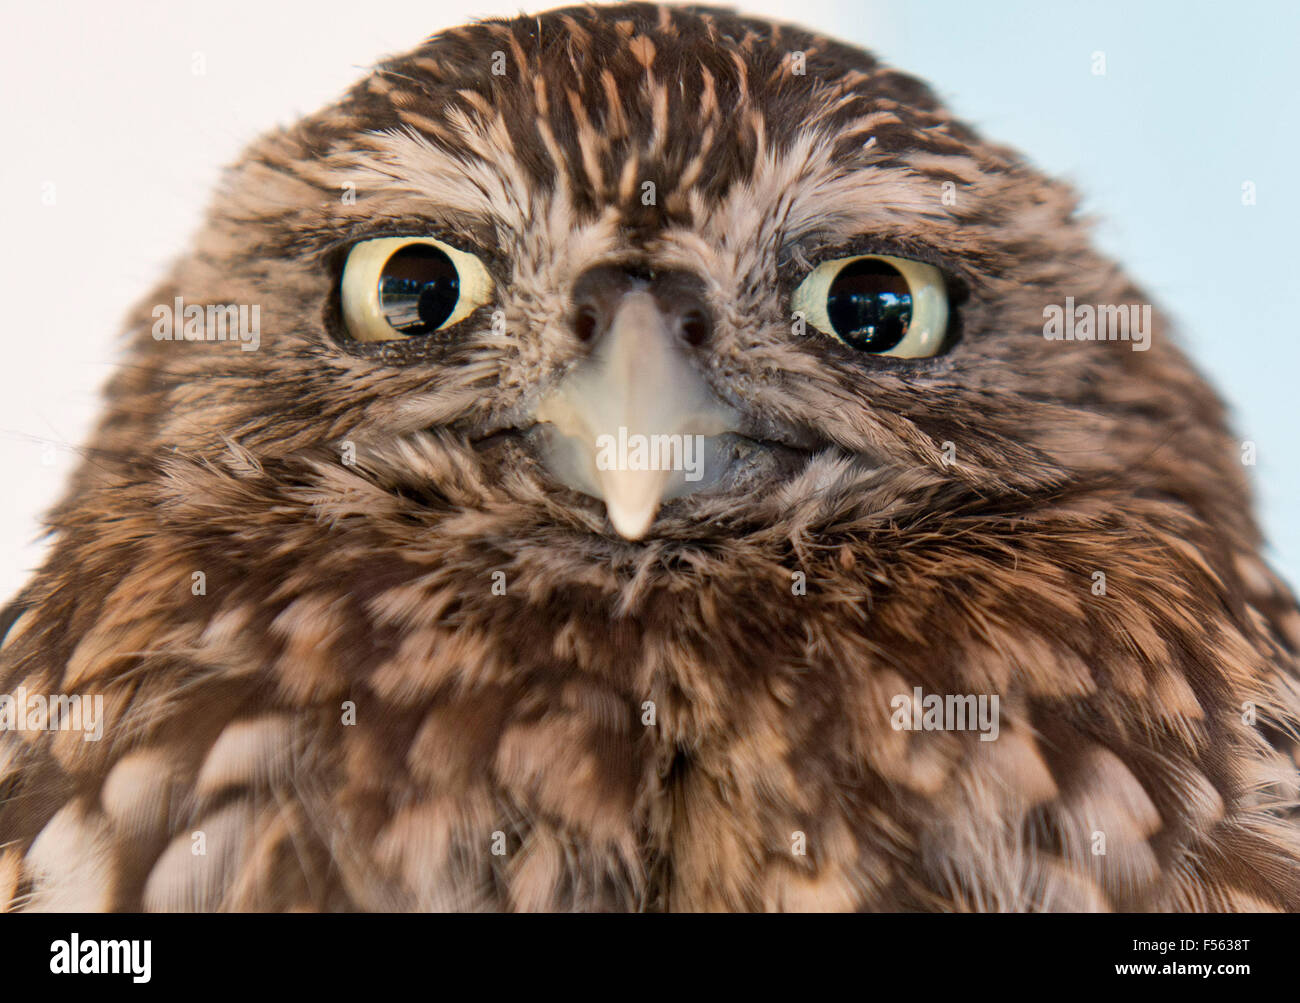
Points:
(877, 304)
(404, 287)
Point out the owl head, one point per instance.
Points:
(627, 280)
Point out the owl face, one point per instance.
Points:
(644, 276)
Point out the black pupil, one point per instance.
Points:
(870, 305)
(418, 289)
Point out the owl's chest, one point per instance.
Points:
(646, 784)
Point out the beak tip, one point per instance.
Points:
(630, 525)
(632, 499)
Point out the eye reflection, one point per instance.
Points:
(869, 305)
(418, 289)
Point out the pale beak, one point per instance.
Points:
(633, 424)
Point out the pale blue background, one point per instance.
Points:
(1197, 98)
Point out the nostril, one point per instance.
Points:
(584, 323)
(695, 327)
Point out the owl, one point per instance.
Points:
(643, 458)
